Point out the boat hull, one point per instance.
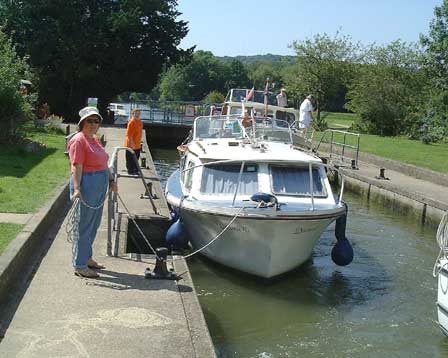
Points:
(442, 296)
(263, 247)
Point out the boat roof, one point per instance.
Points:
(238, 150)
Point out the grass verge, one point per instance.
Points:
(430, 156)
(7, 233)
(28, 176)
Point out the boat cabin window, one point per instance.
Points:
(223, 179)
(189, 175)
(286, 116)
(296, 181)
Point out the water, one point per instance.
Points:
(382, 305)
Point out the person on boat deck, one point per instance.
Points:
(306, 112)
(89, 182)
(133, 140)
(247, 120)
(282, 100)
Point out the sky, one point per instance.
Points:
(248, 27)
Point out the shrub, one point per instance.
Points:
(15, 107)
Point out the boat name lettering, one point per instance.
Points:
(300, 230)
(239, 228)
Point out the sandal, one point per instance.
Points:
(85, 272)
(95, 265)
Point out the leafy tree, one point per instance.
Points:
(237, 76)
(174, 85)
(388, 91)
(214, 97)
(324, 66)
(262, 70)
(86, 48)
(435, 118)
(15, 107)
(193, 81)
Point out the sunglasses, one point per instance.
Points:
(93, 120)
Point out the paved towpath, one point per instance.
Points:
(120, 314)
(15, 218)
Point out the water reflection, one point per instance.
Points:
(383, 304)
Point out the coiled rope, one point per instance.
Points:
(442, 240)
(74, 216)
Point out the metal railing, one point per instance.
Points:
(333, 143)
(112, 204)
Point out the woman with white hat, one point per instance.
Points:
(89, 182)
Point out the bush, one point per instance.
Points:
(214, 97)
(15, 107)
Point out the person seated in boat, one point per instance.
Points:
(247, 120)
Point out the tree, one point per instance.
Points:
(436, 64)
(262, 70)
(193, 81)
(237, 76)
(174, 85)
(86, 48)
(324, 66)
(15, 107)
(214, 97)
(389, 90)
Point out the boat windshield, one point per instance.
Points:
(266, 128)
(218, 127)
(237, 95)
(269, 129)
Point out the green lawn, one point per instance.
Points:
(7, 233)
(339, 120)
(430, 156)
(27, 178)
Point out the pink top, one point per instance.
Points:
(88, 152)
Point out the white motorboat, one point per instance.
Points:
(221, 168)
(441, 272)
(120, 114)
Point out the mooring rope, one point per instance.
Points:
(182, 257)
(442, 240)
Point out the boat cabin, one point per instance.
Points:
(226, 161)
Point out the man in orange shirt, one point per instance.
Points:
(133, 140)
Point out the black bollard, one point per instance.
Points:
(160, 271)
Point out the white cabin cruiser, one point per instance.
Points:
(441, 272)
(223, 166)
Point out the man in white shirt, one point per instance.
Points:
(306, 112)
(282, 100)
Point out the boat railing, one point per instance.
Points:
(113, 215)
(231, 126)
(339, 139)
(310, 169)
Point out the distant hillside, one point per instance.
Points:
(255, 58)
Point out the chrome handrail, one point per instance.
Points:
(343, 144)
(112, 199)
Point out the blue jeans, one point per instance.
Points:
(93, 192)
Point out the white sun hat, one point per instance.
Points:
(89, 111)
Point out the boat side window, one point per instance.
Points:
(296, 181)
(223, 179)
(189, 175)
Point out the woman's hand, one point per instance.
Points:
(113, 186)
(77, 194)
